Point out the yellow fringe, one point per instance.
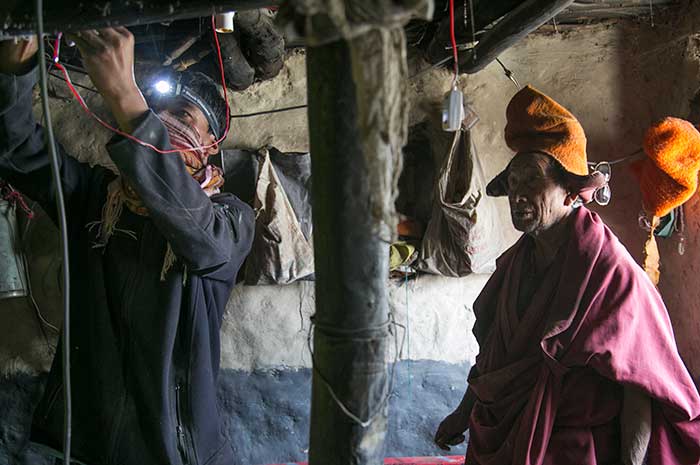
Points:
(112, 210)
(652, 260)
(168, 262)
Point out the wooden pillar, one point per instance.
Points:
(357, 122)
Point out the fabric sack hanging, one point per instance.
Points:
(463, 235)
(281, 253)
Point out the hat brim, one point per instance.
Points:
(583, 186)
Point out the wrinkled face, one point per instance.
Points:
(538, 200)
(190, 114)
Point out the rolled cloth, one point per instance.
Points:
(536, 123)
(668, 177)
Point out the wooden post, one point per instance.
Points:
(357, 122)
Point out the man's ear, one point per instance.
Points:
(570, 199)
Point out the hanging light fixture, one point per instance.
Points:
(224, 22)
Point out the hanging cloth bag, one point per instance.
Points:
(281, 254)
(463, 235)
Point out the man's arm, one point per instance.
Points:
(24, 158)
(203, 233)
(452, 428)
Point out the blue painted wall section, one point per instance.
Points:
(267, 412)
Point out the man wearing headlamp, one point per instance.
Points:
(154, 251)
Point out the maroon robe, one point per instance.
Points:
(549, 384)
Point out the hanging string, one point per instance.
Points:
(680, 228)
(473, 21)
(408, 342)
(361, 335)
(8, 193)
(464, 15)
(509, 74)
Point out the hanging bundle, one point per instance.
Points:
(463, 235)
(668, 177)
(281, 252)
(13, 277)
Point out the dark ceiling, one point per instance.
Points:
(160, 28)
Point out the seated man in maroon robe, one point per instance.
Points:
(577, 363)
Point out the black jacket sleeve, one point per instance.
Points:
(24, 156)
(206, 233)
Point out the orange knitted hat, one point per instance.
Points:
(536, 123)
(669, 177)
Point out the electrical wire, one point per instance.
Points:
(63, 228)
(430, 68)
(89, 89)
(126, 135)
(267, 112)
(639, 153)
(454, 40)
(473, 21)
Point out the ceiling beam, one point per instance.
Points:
(530, 15)
(75, 15)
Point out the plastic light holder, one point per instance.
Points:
(224, 22)
(453, 111)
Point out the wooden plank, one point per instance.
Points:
(73, 15)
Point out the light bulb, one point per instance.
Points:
(163, 86)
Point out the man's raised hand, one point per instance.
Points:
(108, 57)
(451, 431)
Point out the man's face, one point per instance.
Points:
(537, 199)
(188, 113)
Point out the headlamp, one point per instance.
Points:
(163, 87)
(166, 88)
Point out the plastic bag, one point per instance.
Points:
(463, 235)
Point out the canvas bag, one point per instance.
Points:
(463, 235)
(281, 254)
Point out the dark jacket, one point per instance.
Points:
(144, 353)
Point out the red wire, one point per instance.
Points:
(453, 39)
(57, 47)
(82, 103)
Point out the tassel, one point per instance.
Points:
(651, 254)
(168, 262)
(111, 211)
(680, 227)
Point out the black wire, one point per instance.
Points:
(59, 77)
(63, 228)
(267, 112)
